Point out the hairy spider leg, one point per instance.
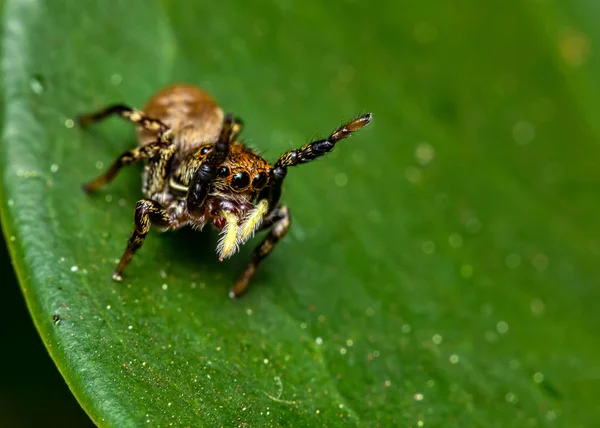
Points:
(162, 147)
(278, 221)
(206, 173)
(147, 213)
(149, 151)
(310, 152)
(127, 113)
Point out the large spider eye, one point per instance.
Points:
(223, 171)
(240, 181)
(204, 151)
(260, 180)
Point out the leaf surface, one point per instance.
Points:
(442, 266)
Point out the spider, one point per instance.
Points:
(197, 172)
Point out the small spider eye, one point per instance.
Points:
(204, 151)
(223, 171)
(240, 181)
(259, 181)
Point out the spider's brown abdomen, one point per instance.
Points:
(185, 109)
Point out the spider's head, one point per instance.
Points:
(230, 206)
(243, 174)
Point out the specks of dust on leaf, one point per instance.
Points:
(441, 267)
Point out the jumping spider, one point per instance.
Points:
(197, 172)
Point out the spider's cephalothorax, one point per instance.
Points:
(198, 173)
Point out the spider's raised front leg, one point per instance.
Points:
(310, 152)
(278, 222)
(147, 213)
(207, 170)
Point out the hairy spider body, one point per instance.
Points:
(197, 172)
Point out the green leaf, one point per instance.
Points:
(442, 266)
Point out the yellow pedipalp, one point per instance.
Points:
(229, 238)
(253, 220)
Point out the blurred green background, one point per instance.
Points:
(461, 234)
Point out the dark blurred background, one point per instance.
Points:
(28, 375)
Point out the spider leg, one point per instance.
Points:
(147, 213)
(318, 148)
(135, 116)
(278, 221)
(157, 170)
(207, 171)
(128, 158)
(236, 128)
(308, 153)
